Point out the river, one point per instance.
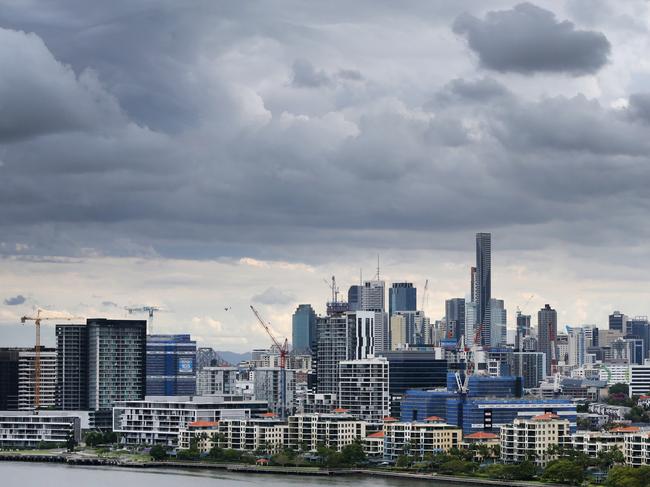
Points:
(22, 474)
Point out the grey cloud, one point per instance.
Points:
(639, 106)
(350, 74)
(109, 304)
(471, 91)
(15, 300)
(305, 75)
(528, 39)
(273, 296)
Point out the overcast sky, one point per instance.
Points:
(209, 155)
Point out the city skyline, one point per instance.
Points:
(206, 158)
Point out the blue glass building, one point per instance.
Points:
(171, 365)
(303, 329)
(489, 403)
(402, 296)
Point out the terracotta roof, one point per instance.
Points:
(341, 410)
(268, 415)
(203, 424)
(262, 460)
(434, 418)
(481, 435)
(378, 434)
(389, 419)
(546, 417)
(644, 397)
(624, 429)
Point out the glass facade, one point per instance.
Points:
(402, 296)
(171, 365)
(303, 329)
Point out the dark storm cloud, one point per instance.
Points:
(206, 132)
(528, 39)
(639, 106)
(15, 300)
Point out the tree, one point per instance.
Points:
(619, 388)
(621, 476)
(456, 465)
(70, 443)
(403, 461)
(158, 452)
(565, 472)
(353, 454)
(606, 459)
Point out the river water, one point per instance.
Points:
(22, 474)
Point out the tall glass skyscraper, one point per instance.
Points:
(303, 329)
(455, 316)
(171, 365)
(547, 335)
(402, 296)
(483, 292)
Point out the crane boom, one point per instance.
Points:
(37, 349)
(284, 350)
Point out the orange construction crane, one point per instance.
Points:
(284, 351)
(37, 349)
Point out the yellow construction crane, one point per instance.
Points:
(37, 349)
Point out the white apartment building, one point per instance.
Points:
(216, 380)
(531, 438)
(614, 373)
(421, 438)
(639, 379)
(266, 434)
(27, 379)
(309, 431)
(364, 388)
(592, 442)
(158, 420)
(23, 430)
(637, 448)
(201, 431)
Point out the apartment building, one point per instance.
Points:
(265, 434)
(23, 430)
(419, 438)
(364, 388)
(309, 431)
(530, 439)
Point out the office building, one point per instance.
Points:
(547, 336)
(373, 296)
(531, 366)
(617, 321)
(354, 298)
(22, 430)
(523, 329)
(333, 339)
(27, 379)
(530, 439)
(71, 367)
(399, 331)
(9, 378)
(455, 316)
(483, 286)
(471, 317)
(303, 329)
(498, 322)
(308, 432)
(159, 420)
(421, 438)
(171, 365)
(639, 328)
(639, 380)
(402, 296)
(614, 373)
(364, 388)
(363, 326)
(216, 380)
(116, 363)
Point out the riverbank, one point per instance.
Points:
(88, 460)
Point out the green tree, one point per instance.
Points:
(564, 471)
(456, 465)
(158, 452)
(620, 476)
(606, 459)
(403, 461)
(353, 454)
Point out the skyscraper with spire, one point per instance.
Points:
(483, 285)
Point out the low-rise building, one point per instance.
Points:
(266, 434)
(530, 439)
(309, 431)
(158, 420)
(614, 413)
(419, 438)
(24, 430)
(203, 432)
(637, 448)
(373, 445)
(592, 442)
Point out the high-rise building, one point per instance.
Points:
(268, 387)
(402, 296)
(303, 329)
(373, 296)
(398, 331)
(529, 365)
(72, 367)
(216, 381)
(638, 327)
(27, 379)
(547, 335)
(116, 364)
(617, 321)
(354, 297)
(498, 323)
(171, 365)
(363, 388)
(455, 315)
(523, 329)
(9, 379)
(470, 322)
(363, 328)
(484, 284)
(334, 336)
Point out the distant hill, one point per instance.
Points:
(234, 357)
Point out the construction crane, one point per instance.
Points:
(284, 351)
(37, 349)
(145, 309)
(334, 288)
